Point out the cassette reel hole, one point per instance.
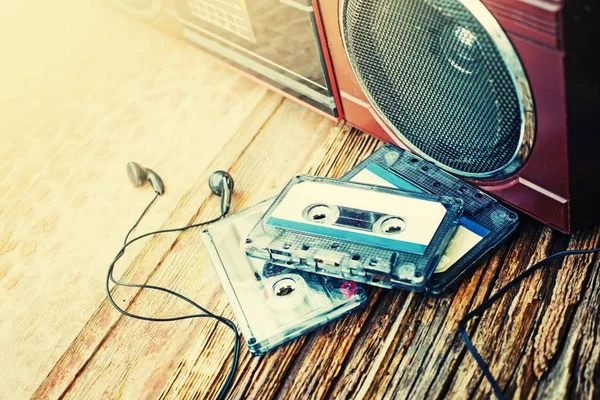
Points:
(284, 287)
(393, 225)
(319, 213)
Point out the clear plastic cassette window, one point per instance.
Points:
(273, 304)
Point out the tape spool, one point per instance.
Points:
(286, 291)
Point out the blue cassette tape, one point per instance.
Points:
(484, 225)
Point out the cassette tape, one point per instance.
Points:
(484, 225)
(273, 304)
(364, 233)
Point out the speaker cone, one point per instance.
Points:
(445, 78)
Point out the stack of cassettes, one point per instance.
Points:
(291, 264)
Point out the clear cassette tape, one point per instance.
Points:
(273, 304)
(484, 225)
(369, 234)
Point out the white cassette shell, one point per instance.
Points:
(422, 217)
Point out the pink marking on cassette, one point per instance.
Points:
(348, 288)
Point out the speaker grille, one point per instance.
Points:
(441, 81)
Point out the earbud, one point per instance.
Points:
(221, 184)
(139, 175)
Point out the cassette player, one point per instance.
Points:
(483, 226)
(370, 234)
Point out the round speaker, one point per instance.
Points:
(146, 9)
(444, 77)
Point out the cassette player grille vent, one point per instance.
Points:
(445, 78)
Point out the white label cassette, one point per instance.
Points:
(367, 216)
(376, 235)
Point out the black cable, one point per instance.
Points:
(477, 312)
(205, 313)
(489, 302)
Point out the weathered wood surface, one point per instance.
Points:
(94, 90)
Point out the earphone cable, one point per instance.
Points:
(205, 313)
(477, 312)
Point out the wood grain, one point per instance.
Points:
(178, 269)
(96, 90)
(66, 199)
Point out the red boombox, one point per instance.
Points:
(502, 93)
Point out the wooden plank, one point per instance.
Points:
(86, 107)
(564, 352)
(105, 317)
(199, 349)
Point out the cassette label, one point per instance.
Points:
(382, 236)
(400, 223)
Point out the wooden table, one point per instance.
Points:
(83, 90)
